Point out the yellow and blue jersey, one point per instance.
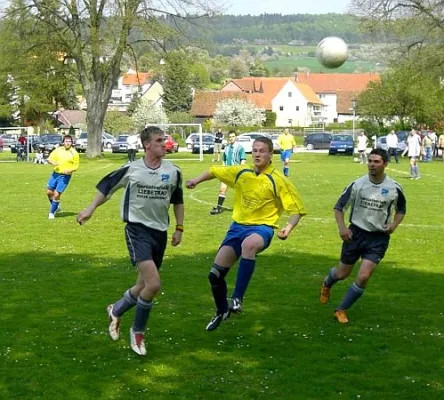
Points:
(286, 141)
(66, 159)
(259, 199)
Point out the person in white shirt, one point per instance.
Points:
(133, 141)
(414, 151)
(392, 146)
(362, 147)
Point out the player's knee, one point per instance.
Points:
(250, 248)
(217, 274)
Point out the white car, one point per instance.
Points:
(247, 139)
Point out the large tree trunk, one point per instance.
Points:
(95, 115)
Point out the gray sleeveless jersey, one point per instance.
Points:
(372, 206)
(148, 192)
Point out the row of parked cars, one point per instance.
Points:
(343, 143)
(246, 140)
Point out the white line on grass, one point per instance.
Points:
(331, 220)
(408, 173)
(93, 170)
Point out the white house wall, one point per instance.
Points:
(289, 104)
(330, 104)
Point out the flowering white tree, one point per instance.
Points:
(237, 112)
(148, 113)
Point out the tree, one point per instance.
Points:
(95, 35)
(237, 112)
(148, 113)
(176, 83)
(116, 122)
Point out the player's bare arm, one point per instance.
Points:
(397, 219)
(292, 222)
(85, 215)
(192, 183)
(179, 212)
(344, 232)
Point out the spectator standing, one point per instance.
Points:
(218, 140)
(392, 146)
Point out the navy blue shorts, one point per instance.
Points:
(366, 245)
(286, 154)
(238, 233)
(145, 244)
(58, 182)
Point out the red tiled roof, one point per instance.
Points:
(331, 83)
(270, 87)
(136, 79)
(344, 101)
(205, 102)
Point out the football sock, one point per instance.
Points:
(244, 274)
(330, 279)
(412, 171)
(219, 287)
(124, 304)
(54, 206)
(143, 309)
(416, 170)
(352, 295)
(220, 200)
(286, 171)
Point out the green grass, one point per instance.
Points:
(313, 64)
(56, 279)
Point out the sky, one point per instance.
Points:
(256, 7)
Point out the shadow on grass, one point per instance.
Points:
(54, 340)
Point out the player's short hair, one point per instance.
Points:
(380, 152)
(265, 140)
(67, 137)
(147, 134)
(232, 132)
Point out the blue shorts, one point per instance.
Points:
(286, 154)
(58, 182)
(238, 233)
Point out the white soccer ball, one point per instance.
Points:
(332, 52)
(356, 159)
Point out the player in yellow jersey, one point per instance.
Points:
(286, 143)
(261, 195)
(65, 160)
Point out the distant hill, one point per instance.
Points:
(299, 29)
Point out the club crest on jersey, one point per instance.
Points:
(384, 192)
(165, 177)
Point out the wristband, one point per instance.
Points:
(179, 228)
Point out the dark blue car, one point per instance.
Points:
(342, 144)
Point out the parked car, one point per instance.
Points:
(50, 141)
(108, 140)
(274, 139)
(82, 141)
(207, 144)
(318, 140)
(342, 144)
(247, 139)
(171, 145)
(381, 143)
(122, 144)
(9, 139)
(190, 139)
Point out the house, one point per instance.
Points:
(134, 84)
(67, 118)
(295, 104)
(337, 91)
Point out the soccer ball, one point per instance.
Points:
(332, 52)
(356, 159)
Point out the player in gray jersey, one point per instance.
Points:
(150, 185)
(377, 206)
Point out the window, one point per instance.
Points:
(290, 94)
(281, 108)
(297, 108)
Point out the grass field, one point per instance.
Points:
(291, 63)
(56, 279)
